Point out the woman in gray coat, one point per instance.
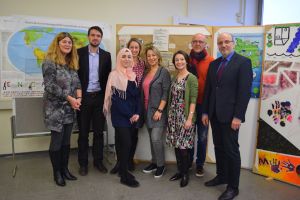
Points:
(61, 97)
(155, 88)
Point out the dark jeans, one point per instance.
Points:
(91, 111)
(59, 139)
(123, 144)
(201, 139)
(228, 159)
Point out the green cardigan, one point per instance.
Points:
(190, 96)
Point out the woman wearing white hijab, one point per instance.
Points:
(122, 101)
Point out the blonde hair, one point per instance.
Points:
(54, 53)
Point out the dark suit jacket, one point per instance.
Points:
(230, 96)
(104, 68)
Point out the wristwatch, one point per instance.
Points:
(159, 110)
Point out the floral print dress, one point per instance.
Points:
(177, 135)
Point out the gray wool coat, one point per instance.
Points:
(159, 90)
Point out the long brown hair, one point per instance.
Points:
(54, 53)
(137, 41)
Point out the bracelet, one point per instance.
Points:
(79, 98)
(159, 110)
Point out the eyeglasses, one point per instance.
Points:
(224, 42)
(198, 41)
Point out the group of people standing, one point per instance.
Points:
(138, 92)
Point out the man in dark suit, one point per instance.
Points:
(226, 97)
(94, 68)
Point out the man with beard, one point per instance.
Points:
(94, 68)
(199, 62)
(226, 97)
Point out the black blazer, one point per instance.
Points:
(104, 68)
(230, 96)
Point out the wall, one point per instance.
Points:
(220, 13)
(115, 12)
(111, 12)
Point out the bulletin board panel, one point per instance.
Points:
(180, 38)
(278, 137)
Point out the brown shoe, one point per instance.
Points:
(199, 172)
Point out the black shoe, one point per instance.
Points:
(115, 169)
(130, 183)
(214, 182)
(150, 168)
(58, 178)
(101, 167)
(159, 172)
(229, 194)
(199, 171)
(175, 177)
(67, 175)
(83, 170)
(128, 175)
(184, 180)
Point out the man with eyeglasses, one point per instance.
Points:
(226, 97)
(199, 62)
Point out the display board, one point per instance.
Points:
(28, 117)
(167, 38)
(278, 139)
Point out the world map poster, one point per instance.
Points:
(24, 42)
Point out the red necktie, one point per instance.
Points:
(221, 69)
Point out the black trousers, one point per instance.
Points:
(91, 111)
(123, 144)
(228, 159)
(134, 140)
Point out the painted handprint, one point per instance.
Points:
(288, 165)
(281, 112)
(275, 166)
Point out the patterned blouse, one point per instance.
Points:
(139, 68)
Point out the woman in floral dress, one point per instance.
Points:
(181, 116)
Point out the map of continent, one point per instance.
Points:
(27, 48)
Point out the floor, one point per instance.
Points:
(34, 181)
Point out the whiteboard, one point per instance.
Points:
(28, 117)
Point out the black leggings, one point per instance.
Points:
(59, 139)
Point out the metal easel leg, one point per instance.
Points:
(14, 172)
